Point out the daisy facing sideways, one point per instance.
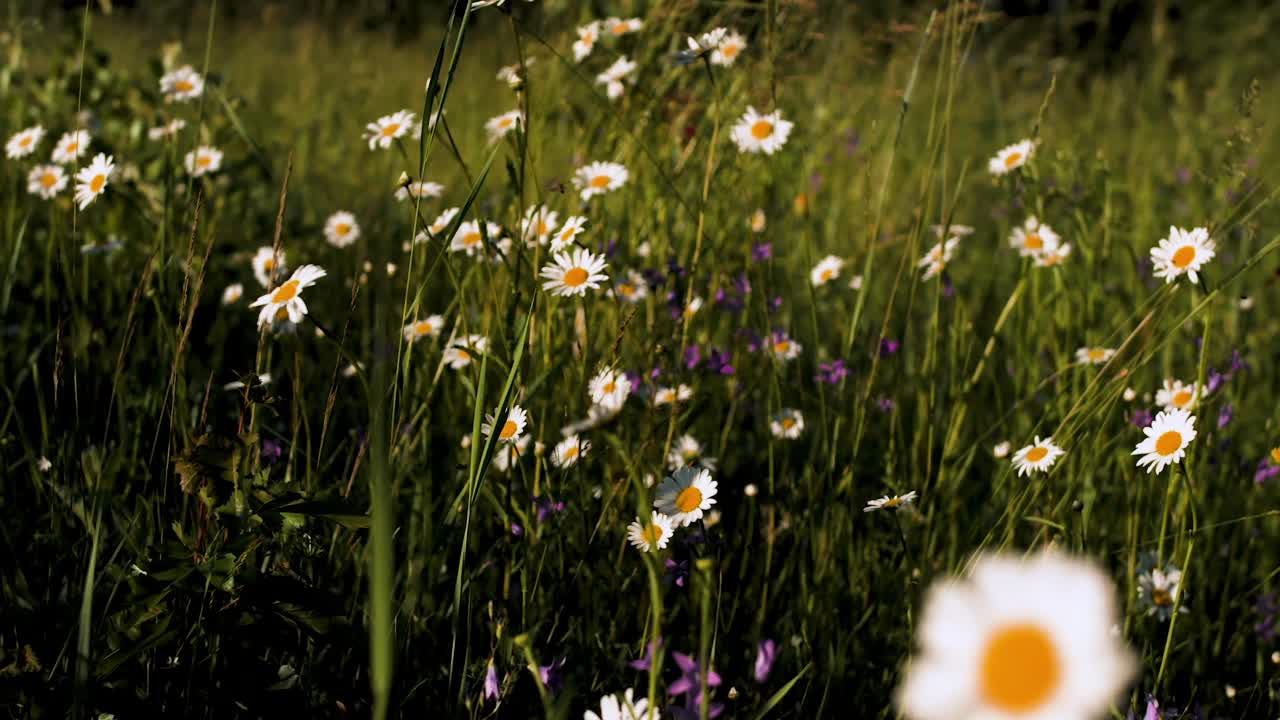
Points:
(1011, 158)
(1174, 395)
(586, 42)
(935, 261)
(419, 189)
(685, 495)
(755, 133)
(574, 274)
(648, 537)
(266, 263)
(288, 297)
(1094, 355)
(569, 451)
(572, 228)
(91, 181)
(428, 327)
(341, 229)
(512, 427)
(610, 388)
(1039, 456)
(23, 142)
(538, 225)
(499, 126)
(1184, 252)
(381, 132)
(896, 502)
(460, 352)
(598, 178)
(1026, 638)
(1167, 439)
(827, 269)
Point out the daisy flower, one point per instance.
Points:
(499, 126)
(387, 128)
(232, 294)
(586, 42)
(182, 84)
(1001, 450)
(442, 221)
(71, 146)
(649, 537)
(428, 327)
(1158, 591)
(1019, 637)
(91, 181)
(24, 142)
(951, 231)
(468, 239)
(203, 160)
(761, 133)
(1183, 252)
(1011, 158)
(507, 454)
(510, 74)
(613, 76)
(46, 181)
(783, 347)
(1275, 455)
(634, 289)
(169, 129)
(787, 424)
(1094, 355)
(574, 274)
(572, 228)
(826, 270)
(1176, 396)
(1039, 456)
(513, 425)
(459, 353)
(568, 451)
(1053, 256)
(1033, 238)
(707, 42)
(341, 229)
(728, 49)
(617, 27)
(668, 395)
(896, 502)
(539, 224)
(758, 221)
(695, 304)
(266, 263)
(598, 178)
(609, 388)
(419, 189)
(935, 261)
(288, 297)
(685, 495)
(1167, 439)
(688, 452)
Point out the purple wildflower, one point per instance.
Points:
(888, 347)
(491, 683)
(1141, 418)
(718, 362)
(761, 252)
(831, 373)
(766, 656)
(1266, 608)
(552, 675)
(1266, 471)
(886, 404)
(646, 663)
(775, 303)
(548, 507)
(677, 572)
(272, 451)
(1183, 175)
(611, 248)
(516, 530)
(690, 685)
(1225, 414)
(692, 356)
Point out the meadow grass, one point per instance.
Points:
(347, 540)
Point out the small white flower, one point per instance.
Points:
(565, 236)
(826, 270)
(728, 49)
(1039, 456)
(648, 538)
(419, 189)
(24, 142)
(46, 181)
(428, 327)
(1001, 450)
(685, 495)
(232, 293)
(1184, 252)
(574, 274)
(896, 502)
(610, 388)
(203, 160)
(182, 84)
(1167, 438)
(1011, 158)
(499, 126)
(341, 229)
(92, 180)
(569, 451)
(383, 131)
(71, 147)
(755, 133)
(586, 42)
(459, 353)
(598, 178)
(512, 427)
(288, 297)
(787, 423)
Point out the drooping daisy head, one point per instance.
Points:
(1011, 158)
(755, 133)
(1094, 355)
(787, 423)
(91, 181)
(287, 298)
(566, 235)
(826, 270)
(182, 85)
(461, 351)
(668, 395)
(1167, 438)
(685, 495)
(574, 273)
(46, 181)
(649, 536)
(887, 502)
(383, 131)
(728, 49)
(511, 427)
(1018, 638)
(267, 263)
(1174, 395)
(499, 126)
(610, 388)
(71, 147)
(428, 327)
(1039, 456)
(1184, 252)
(707, 42)
(341, 229)
(203, 160)
(598, 178)
(569, 451)
(1033, 238)
(935, 261)
(24, 142)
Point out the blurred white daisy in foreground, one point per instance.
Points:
(574, 274)
(182, 84)
(46, 181)
(1033, 238)
(266, 262)
(1094, 355)
(787, 423)
(381, 132)
(71, 146)
(203, 160)
(459, 353)
(569, 451)
(24, 142)
(729, 48)
(610, 388)
(1039, 456)
(598, 178)
(586, 42)
(341, 229)
(572, 228)
(685, 495)
(896, 502)
(1027, 638)
(1011, 158)
(1184, 252)
(761, 133)
(1167, 438)
(614, 76)
(92, 180)
(935, 261)
(419, 189)
(827, 269)
(428, 327)
(538, 224)
(512, 427)
(499, 126)
(1174, 395)
(288, 297)
(647, 537)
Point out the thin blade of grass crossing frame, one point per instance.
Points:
(433, 89)
(480, 459)
(11, 274)
(782, 693)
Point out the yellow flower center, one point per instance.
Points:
(575, 277)
(626, 289)
(1169, 443)
(471, 238)
(892, 502)
(285, 292)
(1275, 455)
(1184, 257)
(689, 499)
(391, 130)
(1097, 354)
(26, 141)
(1034, 242)
(422, 327)
(97, 182)
(600, 181)
(729, 50)
(1012, 159)
(463, 354)
(204, 160)
(620, 29)
(183, 86)
(571, 453)
(268, 264)
(652, 535)
(342, 229)
(1182, 398)
(761, 129)
(542, 227)
(504, 123)
(508, 430)
(1036, 454)
(782, 346)
(1161, 597)
(826, 275)
(610, 387)
(788, 423)
(48, 180)
(1021, 669)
